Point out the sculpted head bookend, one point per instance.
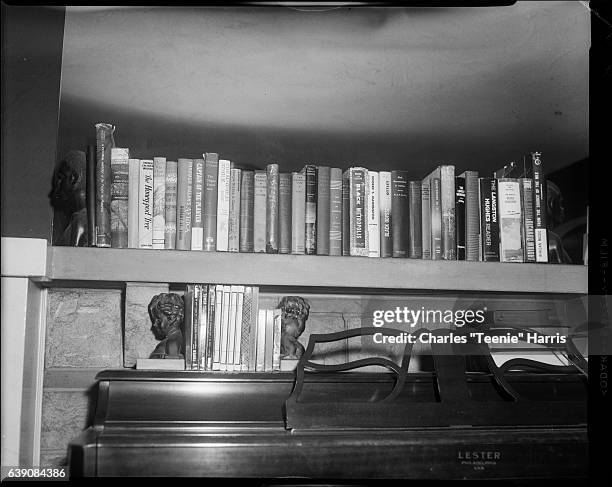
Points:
(166, 311)
(295, 310)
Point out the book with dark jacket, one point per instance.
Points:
(400, 214)
(489, 219)
(384, 191)
(335, 211)
(323, 208)
(415, 228)
(209, 196)
(119, 197)
(310, 216)
(272, 209)
(540, 208)
(460, 216)
(472, 216)
(346, 214)
(233, 244)
(104, 143)
(298, 212)
(197, 181)
(284, 213)
(358, 187)
(247, 188)
(528, 234)
(426, 217)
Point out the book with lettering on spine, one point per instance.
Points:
(447, 199)
(272, 209)
(489, 220)
(145, 210)
(310, 214)
(298, 212)
(197, 199)
(188, 323)
(246, 210)
(192, 359)
(415, 245)
(218, 327)
(426, 218)
(159, 202)
(436, 218)
(276, 339)
(223, 202)
(234, 211)
(509, 207)
(203, 327)
(171, 197)
(260, 356)
(358, 227)
(133, 202)
(472, 215)
(183, 204)
(231, 330)
(384, 191)
(104, 144)
(259, 211)
(210, 328)
(528, 233)
(400, 217)
(284, 213)
(245, 329)
(253, 333)
(460, 216)
(335, 211)
(90, 198)
(209, 205)
(119, 197)
(323, 209)
(373, 209)
(238, 329)
(540, 207)
(225, 325)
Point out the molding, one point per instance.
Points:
(24, 257)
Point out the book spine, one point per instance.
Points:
(373, 210)
(104, 143)
(159, 202)
(436, 218)
(171, 196)
(269, 331)
(415, 238)
(246, 211)
(225, 324)
(527, 219)
(197, 181)
(234, 213)
(346, 214)
(400, 223)
(183, 204)
(276, 339)
(210, 328)
(298, 212)
(261, 341)
(259, 211)
(472, 216)
(90, 191)
(447, 198)
(310, 215)
(253, 325)
(119, 197)
(323, 209)
(238, 329)
(203, 325)
(489, 222)
(539, 206)
(284, 213)
(509, 205)
(210, 195)
(335, 211)
(245, 327)
(223, 206)
(218, 327)
(460, 216)
(358, 179)
(272, 209)
(133, 205)
(145, 210)
(188, 323)
(386, 240)
(195, 327)
(231, 331)
(426, 218)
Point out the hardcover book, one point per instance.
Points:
(183, 204)
(171, 198)
(133, 205)
(460, 216)
(225, 325)
(447, 199)
(159, 202)
(119, 197)
(472, 215)
(272, 209)
(509, 206)
(234, 211)
(104, 143)
(231, 331)
(528, 233)
(539, 205)
(253, 343)
(373, 209)
(359, 192)
(218, 327)
(323, 209)
(346, 214)
(259, 211)
(238, 329)
(210, 328)
(488, 219)
(414, 210)
(276, 339)
(426, 218)
(188, 323)
(436, 218)
(298, 212)
(335, 211)
(269, 350)
(245, 329)
(223, 204)
(246, 210)
(284, 213)
(209, 205)
(145, 210)
(197, 195)
(191, 360)
(400, 217)
(203, 327)
(90, 193)
(310, 216)
(386, 240)
(261, 340)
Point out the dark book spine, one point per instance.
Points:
(246, 211)
(488, 219)
(447, 188)
(359, 220)
(539, 205)
(311, 210)
(210, 328)
(188, 320)
(400, 224)
(323, 208)
(203, 327)
(426, 218)
(528, 233)
(460, 216)
(119, 197)
(346, 215)
(284, 213)
(436, 218)
(415, 225)
(234, 211)
(335, 211)
(386, 240)
(197, 180)
(90, 191)
(272, 209)
(472, 216)
(259, 211)
(209, 198)
(104, 143)
(195, 327)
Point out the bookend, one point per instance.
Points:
(535, 394)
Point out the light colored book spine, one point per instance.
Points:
(145, 212)
(253, 332)
(272, 208)
(159, 202)
(426, 218)
(238, 329)
(231, 331)
(335, 211)
(245, 329)
(276, 339)
(269, 331)
(183, 204)
(119, 197)
(298, 209)
(170, 221)
(197, 226)
(384, 205)
(447, 201)
(359, 189)
(509, 208)
(223, 205)
(261, 340)
(373, 215)
(259, 211)
(133, 205)
(472, 215)
(217, 327)
(225, 321)
(234, 211)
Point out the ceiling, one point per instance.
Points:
(383, 87)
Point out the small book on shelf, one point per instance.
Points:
(335, 211)
(197, 226)
(323, 209)
(259, 211)
(373, 215)
(509, 206)
(472, 215)
(133, 204)
(310, 214)
(284, 213)
(298, 210)
(183, 204)
(234, 210)
(358, 219)
(271, 227)
(159, 202)
(145, 205)
(489, 222)
(170, 204)
(210, 201)
(246, 210)
(223, 204)
(119, 197)
(400, 217)
(415, 239)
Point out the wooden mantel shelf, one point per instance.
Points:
(175, 266)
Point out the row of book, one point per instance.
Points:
(225, 330)
(208, 204)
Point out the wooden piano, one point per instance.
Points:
(323, 422)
